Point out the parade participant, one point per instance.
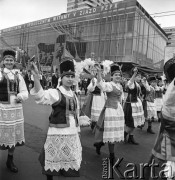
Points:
(133, 109)
(150, 112)
(110, 125)
(13, 92)
(159, 89)
(98, 99)
(62, 153)
(163, 152)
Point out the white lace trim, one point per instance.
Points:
(63, 165)
(62, 152)
(11, 145)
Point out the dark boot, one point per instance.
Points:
(10, 165)
(98, 147)
(149, 130)
(125, 137)
(131, 140)
(49, 177)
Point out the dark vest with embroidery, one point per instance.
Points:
(7, 87)
(113, 98)
(133, 94)
(150, 95)
(61, 110)
(97, 91)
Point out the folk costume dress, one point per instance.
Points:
(110, 125)
(12, 85)
(148, 102)
(62, 149)
(163, 152)
(133, 109)
(98, 100)
(159, 97)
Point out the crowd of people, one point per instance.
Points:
(114, 115)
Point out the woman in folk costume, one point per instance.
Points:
(110, 125)
(163, 152)
(62, 153)
(159, 89)
(98, 99)
(150, 111)
(133, 109)
(13, 92)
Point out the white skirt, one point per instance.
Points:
(97, 106)
(114, 125)
(151, 110)
(158, 103)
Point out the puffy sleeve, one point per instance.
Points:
(47, 97)
(105, 86)
(23, 92)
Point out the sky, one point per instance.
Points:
(16, 12)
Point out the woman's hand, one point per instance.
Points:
(34, 69)
(135, 70)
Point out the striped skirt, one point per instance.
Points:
(97, 106)
(138, 113)
(113, 125)
(151, 110)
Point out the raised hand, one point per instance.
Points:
(33, 68)
(135, 70)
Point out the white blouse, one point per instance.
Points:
(51, 96)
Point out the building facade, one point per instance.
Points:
(122, 31)
(170, 47)
(74, 5)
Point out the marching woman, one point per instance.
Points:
(163, 152)
(62, 153)
(110, 125)
(159, 89)
(150, 111)
(133, 109)
(13, 92)
(98, 101)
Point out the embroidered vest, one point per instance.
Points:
(150, 95)
(61, 110)
(7, 87)
(113, 98)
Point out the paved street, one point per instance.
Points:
(36, 124)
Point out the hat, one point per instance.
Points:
(152, 78)
(67, 68)
(9, 53)
(169, 69)
(115, 68)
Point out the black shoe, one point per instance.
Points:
(98, 147)
(125, 137)
(131, 140)
(10, 165)
(149, 130)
